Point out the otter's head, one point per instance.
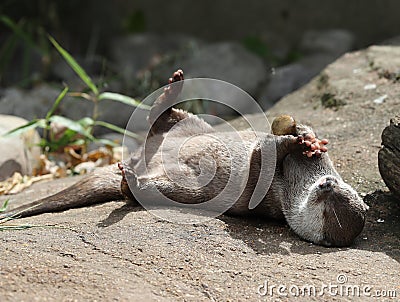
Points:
(342, 211)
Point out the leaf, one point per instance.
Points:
(41, 123)
(67, 139)
(75, 66)
(107, 142)
(86, 122)
(118, 129)
(123, 99)
(57, 102)
(4, 206)
(72, 125)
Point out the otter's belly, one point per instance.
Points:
(207, 167)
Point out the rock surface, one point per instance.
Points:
(19, 153)
(389, 156)
(116, 251)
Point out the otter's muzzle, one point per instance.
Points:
(327, 183)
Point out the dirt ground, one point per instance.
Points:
(119, 252)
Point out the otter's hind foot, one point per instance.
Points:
(126, 191)
(172, 91)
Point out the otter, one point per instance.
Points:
(305, 188)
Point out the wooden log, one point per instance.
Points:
(389, 156)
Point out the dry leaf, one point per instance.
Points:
(17, 183)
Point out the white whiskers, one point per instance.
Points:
(337, 218)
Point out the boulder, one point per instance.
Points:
(226, 61)
(29, 104)
(319, 48)
(389, 156)
(18, 153)
(333, 41)
(134, 54)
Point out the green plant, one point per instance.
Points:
(4, 206)
(80, 132)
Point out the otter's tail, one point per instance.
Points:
(100, 186)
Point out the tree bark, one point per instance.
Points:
(389, 156)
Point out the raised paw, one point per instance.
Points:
(314, 146)
(171, 91)
(177, 76)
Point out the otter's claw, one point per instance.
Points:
(314, 145)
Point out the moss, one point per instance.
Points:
(322, 81)
(392, 76)
(329, 100)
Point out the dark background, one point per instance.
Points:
(89, 28)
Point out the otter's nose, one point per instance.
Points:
(327, 183)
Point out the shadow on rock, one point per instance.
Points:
(382, 228)
(270, 237)
(119, 214)
(381, 232)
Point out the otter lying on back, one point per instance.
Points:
(305, 188)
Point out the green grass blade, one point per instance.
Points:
(123, 99)
(75, 66)
(4, 206)
(16, 227)
(118, 129)
(40, 123)
(57, 102)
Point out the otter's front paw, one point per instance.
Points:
(313, 145)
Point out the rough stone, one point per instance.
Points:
(19, 153)
(334, 41)
(319, 48)
(283, 81)
(28, 104)
(389, 156)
